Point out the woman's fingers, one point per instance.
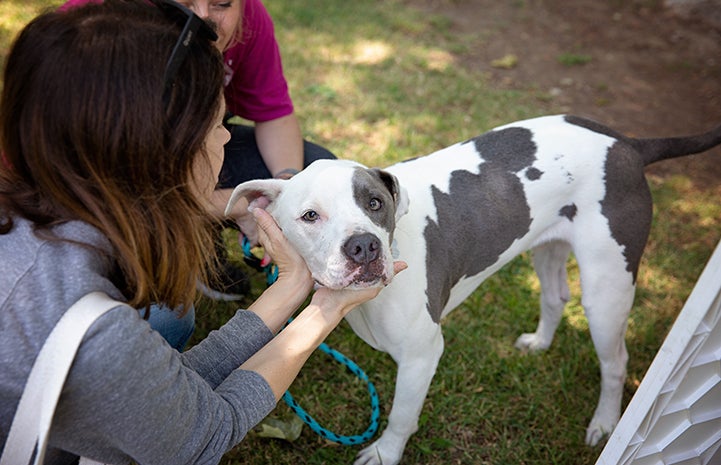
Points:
(290, 263)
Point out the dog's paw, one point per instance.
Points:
(598, 430)
(368, 456)
(530, 342)
(373, 455)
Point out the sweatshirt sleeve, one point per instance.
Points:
(216, 356)
(130, 396)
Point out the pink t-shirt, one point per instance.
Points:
(255, 87)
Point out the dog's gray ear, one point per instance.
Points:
(259, 193)
(399, 193)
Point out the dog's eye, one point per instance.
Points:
(375, 204)
(310, 216)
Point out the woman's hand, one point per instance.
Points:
(294, 282)
(291, 266)
(239, 213)
(248, 227)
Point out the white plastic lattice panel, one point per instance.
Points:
(675, 416)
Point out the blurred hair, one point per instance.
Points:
(85, 135)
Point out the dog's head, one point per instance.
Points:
(339, 215)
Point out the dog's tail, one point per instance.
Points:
(653, 150)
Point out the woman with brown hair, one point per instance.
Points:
(256, 91)
(111, 137)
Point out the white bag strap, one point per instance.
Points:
(36, 408)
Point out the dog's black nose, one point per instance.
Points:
(362, 248)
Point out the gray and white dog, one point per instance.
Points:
(553, 185)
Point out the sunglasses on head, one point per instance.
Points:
(192, 25)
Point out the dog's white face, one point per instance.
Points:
(339, 215)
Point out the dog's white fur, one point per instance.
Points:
(582, 190)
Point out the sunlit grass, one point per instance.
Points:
(14, 14)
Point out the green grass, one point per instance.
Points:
(378, 82)
(15, 13)
(574, 59)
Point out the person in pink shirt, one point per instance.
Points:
(255, 90)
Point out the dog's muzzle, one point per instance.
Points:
(365, 258)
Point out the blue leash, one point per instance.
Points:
(271, 273)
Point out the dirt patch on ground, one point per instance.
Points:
(646, 69)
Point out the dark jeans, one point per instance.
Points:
(176, 330)
(243, 161)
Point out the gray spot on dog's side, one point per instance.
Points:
(627, 204)
(369, 184)
(533, 174)
(480, 216)
(569, 211)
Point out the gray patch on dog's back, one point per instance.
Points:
(533, 174)
(627, 203)
(367, 184)
(480, 216)
(569, 211)
(593, 126)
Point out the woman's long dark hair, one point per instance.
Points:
(86, 135)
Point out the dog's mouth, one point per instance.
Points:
(370, 274)
(358, 277)
(356, 285)
(362, 261)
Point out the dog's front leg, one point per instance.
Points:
(417, 362)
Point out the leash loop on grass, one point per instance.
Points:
(271, 273)
(327, 434)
